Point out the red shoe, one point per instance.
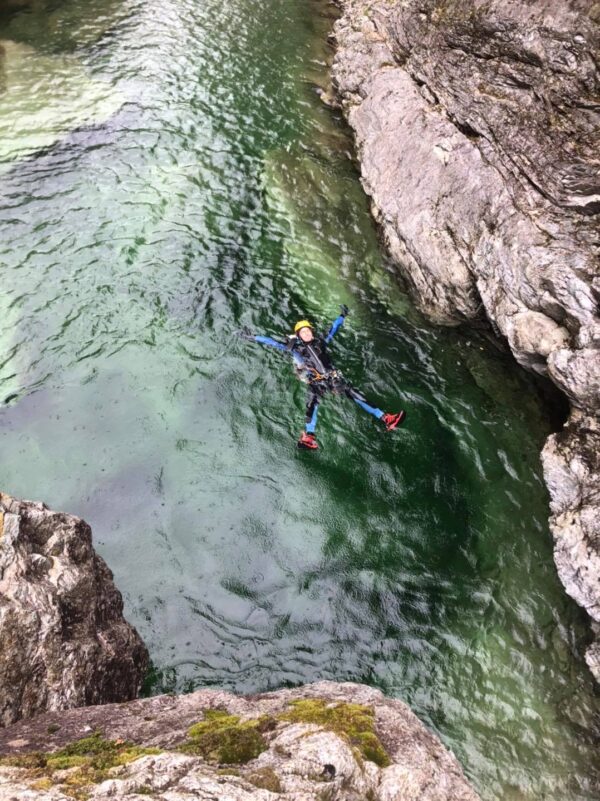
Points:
(308, 441)
(393, 420)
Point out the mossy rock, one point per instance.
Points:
(64, 762)
(97, 753)
(354, 722)
(31, 761)
(265, 779)
(88, 761)
(43, 784)
(224, 739)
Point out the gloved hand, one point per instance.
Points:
(245, 333)
(345, 310)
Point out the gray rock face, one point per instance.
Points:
(477, 127)
(302, 761)
(571, 461)
(63, 639)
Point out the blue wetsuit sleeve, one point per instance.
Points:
(273, 343)
(335, 327)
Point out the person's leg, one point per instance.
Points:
(312, 407)
(390, 421)
(359, 398)
(307, 438)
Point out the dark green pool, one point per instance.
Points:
(168, 175)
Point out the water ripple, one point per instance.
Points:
(167, 177)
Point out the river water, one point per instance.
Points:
(169, 175)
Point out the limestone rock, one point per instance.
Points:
(571, 462)
(301, 762)
(476, 126)
(63, 639)
(577, 373)
(592, 658)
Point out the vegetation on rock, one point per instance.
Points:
(355, 722)
(224, 739)
(78, 765)
(312, 742)
(265, 779)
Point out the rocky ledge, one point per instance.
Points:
(325, 741)
(476, 126)
(63, 639)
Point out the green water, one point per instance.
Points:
(167, 175)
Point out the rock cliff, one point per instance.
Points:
(477, 129)
(327, 741)
(63, 639)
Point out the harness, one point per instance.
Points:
(319, 376)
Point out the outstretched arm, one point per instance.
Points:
(336, 324)
(272, 343)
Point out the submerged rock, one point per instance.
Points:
(476, 127)
(330, 741)
(7, 6)
(46, 96)
(63, 639)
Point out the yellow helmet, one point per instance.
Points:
(302, 324)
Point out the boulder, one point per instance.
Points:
(571, 460)
(330, 741)
(63, 639)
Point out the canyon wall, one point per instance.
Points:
(477, 129)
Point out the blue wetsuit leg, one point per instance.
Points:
(378, 413)
(312, 423)
(335, 326)
(359, 398)
(312, 405)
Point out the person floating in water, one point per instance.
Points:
(314, 366)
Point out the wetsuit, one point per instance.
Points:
(314, 366)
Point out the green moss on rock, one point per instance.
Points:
(355, 722)
(88, 761)
(63, 762)
(265, 779)
(224, 739)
